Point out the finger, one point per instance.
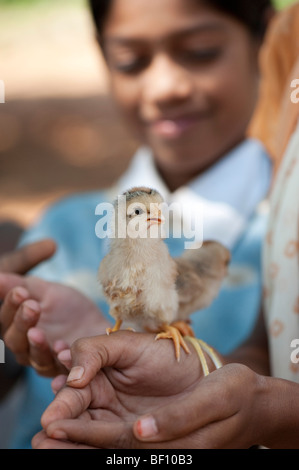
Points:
(13, 298)
(198, 408)
(98, 434)
(159, 425)
(65, 358)
(41, 356)
(89, 355)
(101, 434)
(26, 316)
(41, 441)
(27, 257)
(60, 345)
(9, 282)
(69, 403)
(38, 439)
(58, 383)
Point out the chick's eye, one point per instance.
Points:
(135, 212)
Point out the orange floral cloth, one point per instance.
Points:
(276, 124)
(281, 265)
(275, 116)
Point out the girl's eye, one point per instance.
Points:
(202, 55)
(133, 66)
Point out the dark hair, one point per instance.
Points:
(252, 13)
(99, 10)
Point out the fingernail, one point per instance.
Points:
(65, 355)
(35, 337)
(59, 434)
(19, 295)
(33, 341)
(32, 305)
(30, 310)
(147, 427)
(75, 374)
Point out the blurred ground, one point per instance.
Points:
(58, 124)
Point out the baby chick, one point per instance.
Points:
(143, 284)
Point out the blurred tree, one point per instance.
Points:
(13, 3)
(283, 3)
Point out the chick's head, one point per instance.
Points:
(143, 212)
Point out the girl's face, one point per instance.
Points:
(185, 77)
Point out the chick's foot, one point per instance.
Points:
(171, 332)
(184, 328)
(116, 327)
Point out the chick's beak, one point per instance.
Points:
(156, 218)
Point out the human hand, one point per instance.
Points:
(41, 318)
(20, 261)
(125, 375)
(224, 411)
(23, 259)
(132, 402)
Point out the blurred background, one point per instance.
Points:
(58, 125)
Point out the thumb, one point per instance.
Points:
(182, 416)
(159, 425)
(90, 355)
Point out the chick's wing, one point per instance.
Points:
(200, 274)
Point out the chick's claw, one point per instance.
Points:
(116, 327)
(184, 328)
(171, 332)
